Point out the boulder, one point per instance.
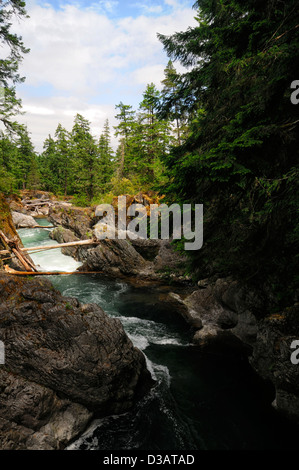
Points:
(23, 221)
(64, 235)
(115, 257)
(221, 315)
(33, 417)
(271, 358)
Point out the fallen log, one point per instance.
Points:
(47, 273)
(53, 247)
(30, 206)
(35, 202)
(41, 226)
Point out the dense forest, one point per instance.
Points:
(76, 163)
(224, 134)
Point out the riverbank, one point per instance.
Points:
(65, 362)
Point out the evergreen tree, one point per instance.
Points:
(62, 147)
(126, 117)
(241, 157)
(174, 112)
(8, 155)
(9, 76)
(106, 158)
(85, 158)
(153, 136)
(25, 164)
(47, 166)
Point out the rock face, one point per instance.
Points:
(64, 363)
(114, 257)
(77, 219)
(271, 358)
(148, 259)
(227, 314)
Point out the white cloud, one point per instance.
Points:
(172, 3)
(89, 62)
(149, 74)
(148, 9)
(38, 110)
(44, 115)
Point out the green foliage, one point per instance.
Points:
(121, 186)
(18, 162)
(240, 158)
(144, 138)
(106, 158)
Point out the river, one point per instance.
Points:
(200, 401)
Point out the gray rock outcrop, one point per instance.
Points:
(272, 358)
(77, 219)
(228, 314)
(64, 235)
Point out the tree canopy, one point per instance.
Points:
(241, 156)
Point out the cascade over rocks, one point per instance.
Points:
(65, 362)
(222, 312)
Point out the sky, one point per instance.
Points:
(86, 57)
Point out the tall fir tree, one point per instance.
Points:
(10, 105)
(25, 166)
(63, 155)
(106, 158)
(154, 134)
(85, 158)
(126, 117)
(175, 111)
(47, 166)
(8, 157)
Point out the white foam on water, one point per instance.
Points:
(51, 260)
(86, 438)
(155, 333)
(139, 341)
(158, 372)
(55, 261)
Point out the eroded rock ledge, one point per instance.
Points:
(64, 364)
(228, 314)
